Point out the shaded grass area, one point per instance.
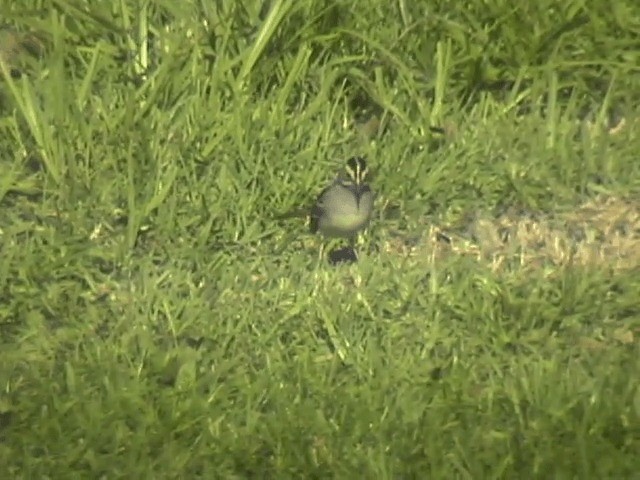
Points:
(157, 321)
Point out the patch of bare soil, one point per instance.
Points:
(602, 232)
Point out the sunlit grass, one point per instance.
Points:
(157, 321)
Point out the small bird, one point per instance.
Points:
(345, 207)
(342, 209)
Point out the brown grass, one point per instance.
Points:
(602, 232)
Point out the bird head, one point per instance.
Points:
(356, 172)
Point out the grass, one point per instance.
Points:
(157, 321)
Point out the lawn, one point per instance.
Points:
(158, 319)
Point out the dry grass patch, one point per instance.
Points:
(603, 232)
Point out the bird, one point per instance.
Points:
(342, 209)
(345, 206)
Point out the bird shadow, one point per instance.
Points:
(342, 255)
